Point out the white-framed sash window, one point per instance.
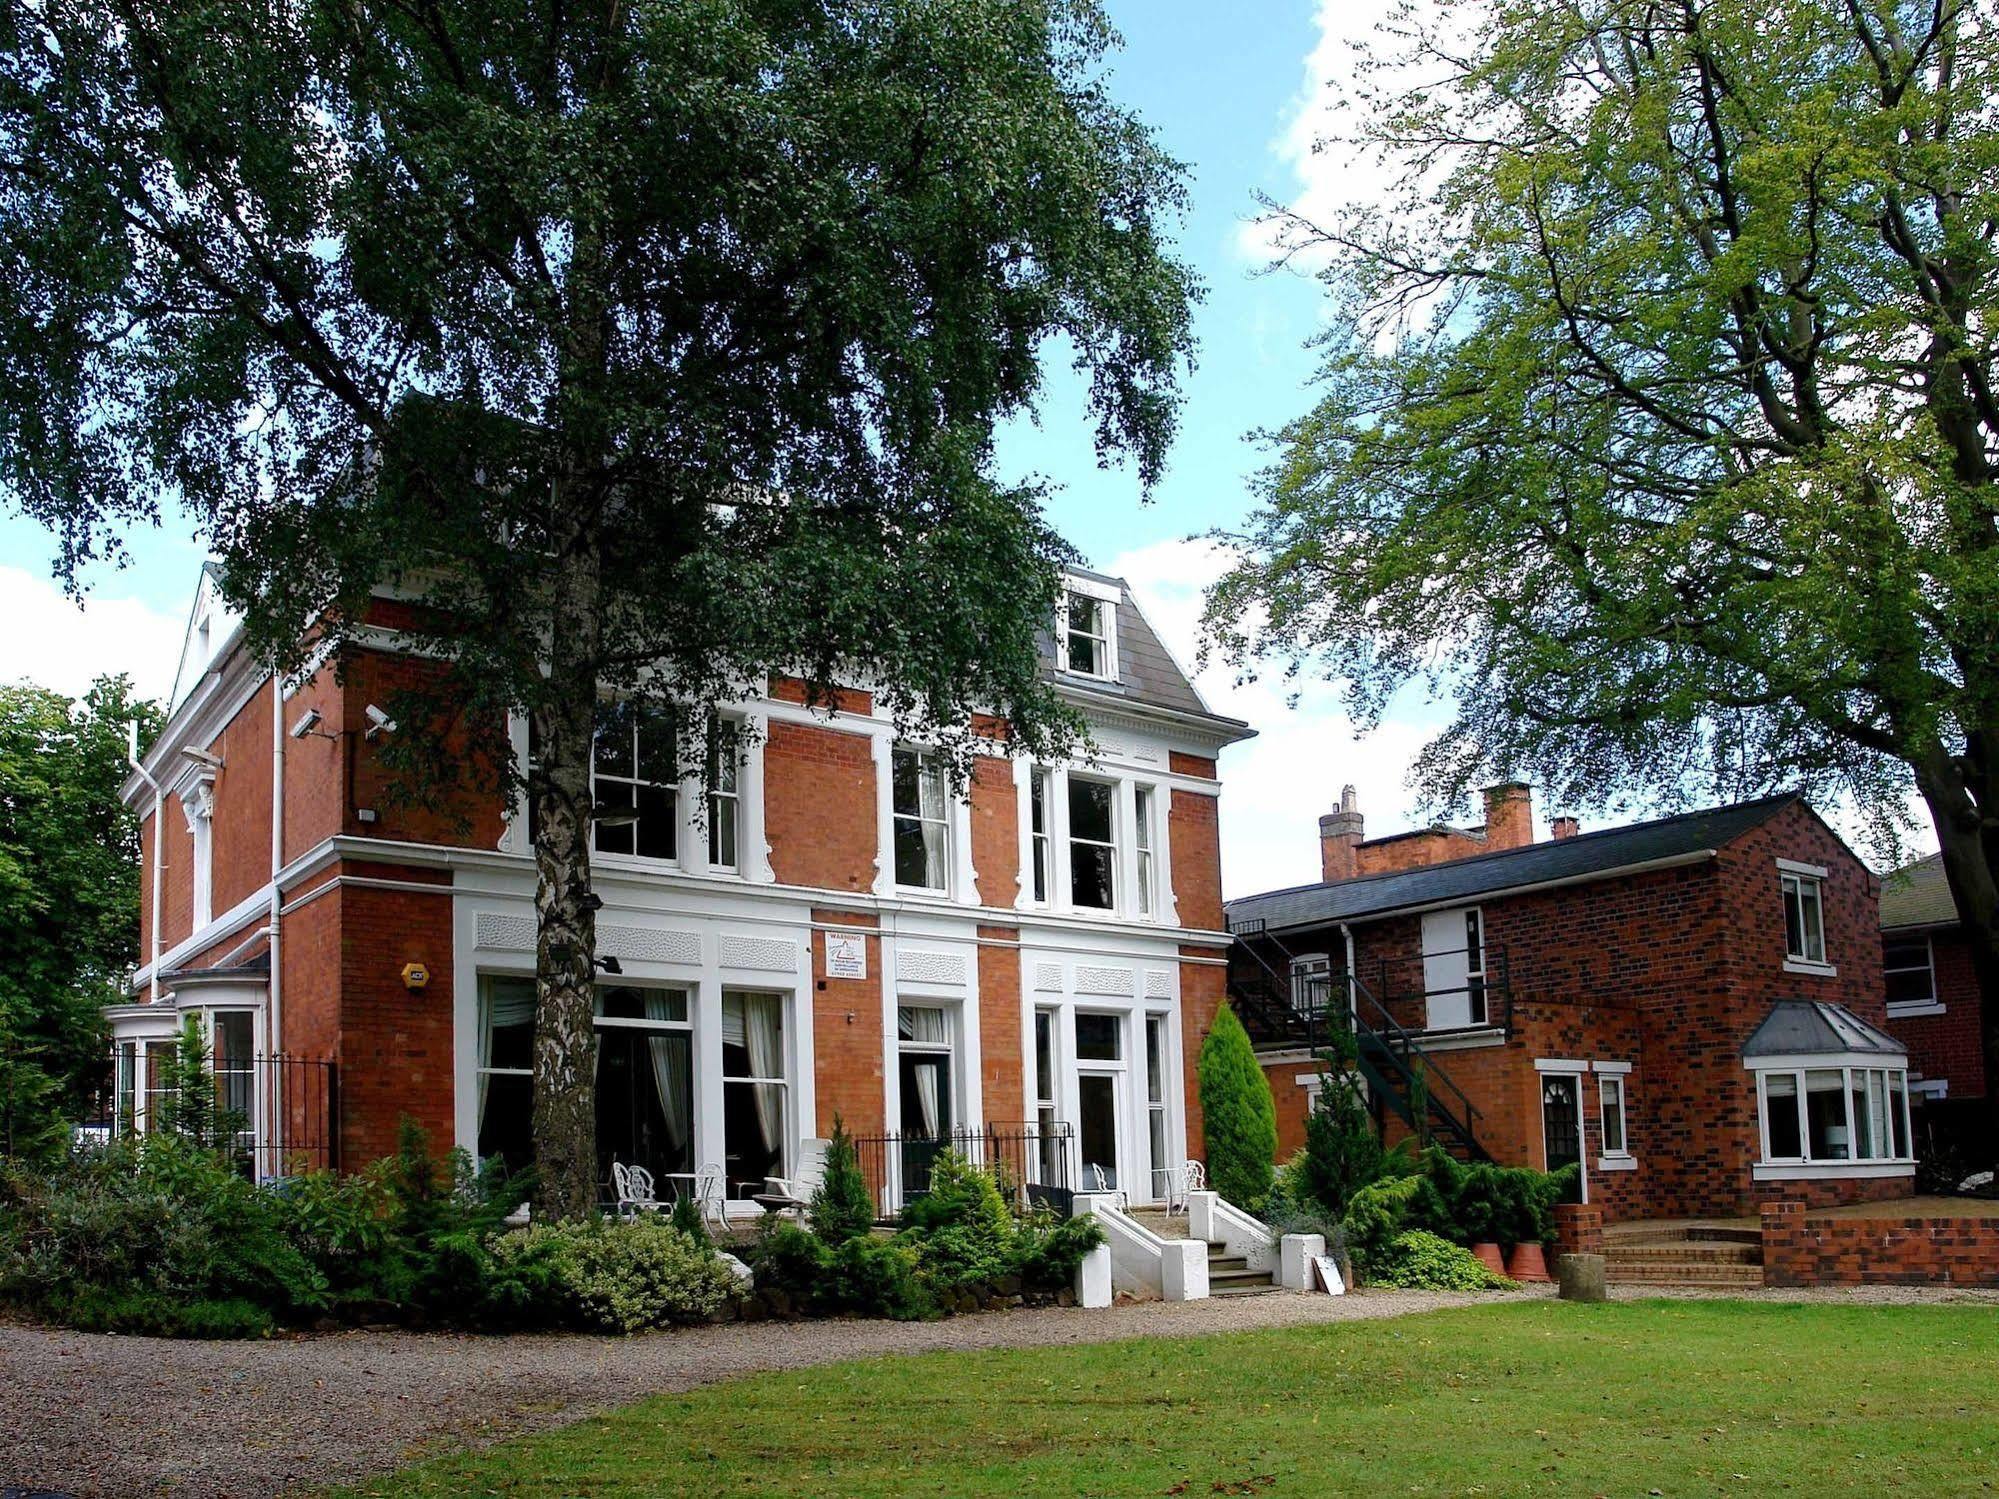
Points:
(1804, 916)
(921, 823)
(1093, 850)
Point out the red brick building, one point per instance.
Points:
(1933, 1004)
(1690, 1007)
(829, 928)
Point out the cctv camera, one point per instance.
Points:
(378, 721)
(307, 722)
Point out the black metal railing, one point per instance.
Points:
(1433, 983)
(1030, 1162)
(1338, 1012)
(275, 1116)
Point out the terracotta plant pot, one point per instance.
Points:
(1489, 1256)
(1528, 1263)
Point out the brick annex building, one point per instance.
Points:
(1935, 1008)
(826, 929)
(1690, 1007)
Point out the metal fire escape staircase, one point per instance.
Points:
(1338, 1013)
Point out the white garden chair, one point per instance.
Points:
(1181, 1185)
(805, 1177)
(709, 1195)
(636, 1193)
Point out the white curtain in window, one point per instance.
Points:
(506, 1004)
(926, 1025)
(764, 1040)
(672, 1070)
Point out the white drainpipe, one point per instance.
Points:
(159, 834)
(274, 1043)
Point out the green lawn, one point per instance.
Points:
(1546, 1397)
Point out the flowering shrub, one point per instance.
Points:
(618, 1276)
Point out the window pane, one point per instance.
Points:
(506, 1111)
(1910, 987)
(905, 772)
(1898, 1115)
(614, 798)
(507, 1039)
(722, 832)
(1044, 1056)
(1826, 1133)
(919, 854)
(930, 787)
(1794, 926)
(1780, 1092)
(1612, 1093)
(1877, 1114)
(1097, 1038)
(613, 754)
(1155, 1058)
(656, 758)
(1090, 811)
(655, 835)
(1813, 910)
(1091, 880)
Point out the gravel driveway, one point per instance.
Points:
(92, 1414)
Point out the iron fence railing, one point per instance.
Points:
(1031, 1162)
(275, 1116)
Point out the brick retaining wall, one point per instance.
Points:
(1802, 1249)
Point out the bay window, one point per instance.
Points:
(1813, 1115)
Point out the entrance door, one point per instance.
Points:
(1561, 1119)
(1096, 1129)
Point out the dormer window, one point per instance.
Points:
(1089, 638)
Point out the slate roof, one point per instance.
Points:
(1147, 673)
(1817, 1028)
(1582, 857)
(1918, 895)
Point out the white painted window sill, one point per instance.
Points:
(1461, 1038)
(1617, 1163)
(1806, 1171)
(1817, 970)
(1915, 1010)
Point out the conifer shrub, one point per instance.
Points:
(1239, 1117)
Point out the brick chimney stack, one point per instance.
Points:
(1564, 827)
(1509, 815)
(1340, 832)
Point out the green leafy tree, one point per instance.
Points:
(1343, 1150)
(654, 346)
(1660, 423)
(842, 1207)
(69, 900)
(1238, 1115)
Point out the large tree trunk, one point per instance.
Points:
(565, 1042)
(1963, 797)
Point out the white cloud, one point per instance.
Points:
(45, 638)
(1274, 786)
(1328, 173)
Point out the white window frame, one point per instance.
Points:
(1805, 1165)
(1110, 785)
(1607, 1084)
(1905, 1009)
(674, 788)
(1804, 880)
(927, 764)
(1145, 801)
(1041, 835)
(787, 1133)
(1106, 641)
(724, 786)
(1158, 1064)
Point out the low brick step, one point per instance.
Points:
(1684, 1273)
(1730, 1254)
(1639, 1233)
